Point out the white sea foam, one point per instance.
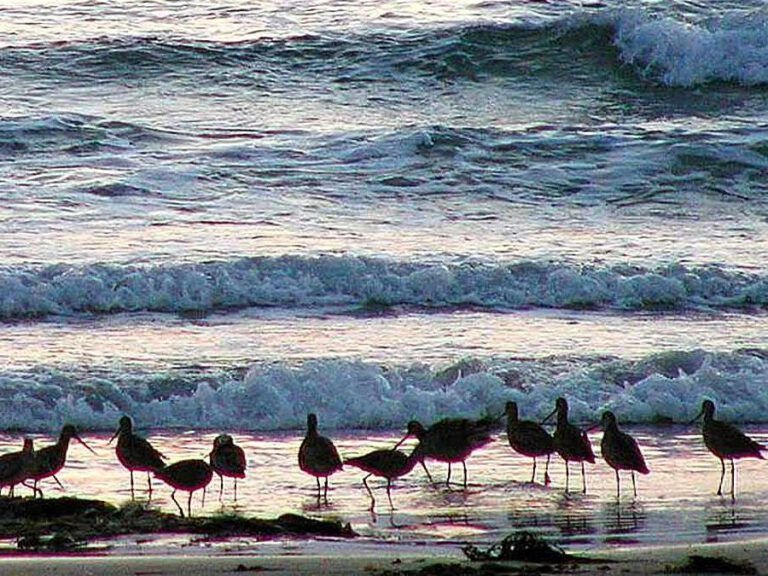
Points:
(732, 48)
(355, 281)
(354, 394)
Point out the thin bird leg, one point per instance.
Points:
(533, 476)
(448, 479)
(464, 465)
(133, 496)
(235, 489)
(634, 487)
(221, 487)
(722, 475)
(149, 483)
(189, 503)
(173, 497)
(389, 494)
(57, 482)
(202, 504)
(547, 480)
(567, 476)
(429, 476)
(618, 484)
(370, 492)
(319, 489)
(583, 479)
(325, 490)
(733, 480)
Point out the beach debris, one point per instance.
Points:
(522, 546)
(456, 569)
(56, 542)
(696, 564)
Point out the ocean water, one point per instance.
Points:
(221, 216)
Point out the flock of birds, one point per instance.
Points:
(450, 440)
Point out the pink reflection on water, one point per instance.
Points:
(676, 502)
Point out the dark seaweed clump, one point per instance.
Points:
(696, 564)
(62, 524)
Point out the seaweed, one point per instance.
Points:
(521, 546)
(696, 564)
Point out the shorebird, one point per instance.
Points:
(186, 475)
(724, 440)
(571, 443)
(50, 459)
(15, 467)
(450, 440)
(227, 459)
(318, 456)
(389, 464)
(620, 451)
(135, 453)
(529, 439)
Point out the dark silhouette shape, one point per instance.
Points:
(227, 459)
(186, 475)
(15, 467)
(389, 464)
(50, 460)
(529, 439)
(318, 456)
(135, 453)
(620, 451)
(571, 443)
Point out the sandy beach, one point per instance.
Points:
(743, 556)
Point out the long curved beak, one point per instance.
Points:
(698, 416)
(115, 435)
(549, 416)
(76, 437)
(403, 439)
(591, 427)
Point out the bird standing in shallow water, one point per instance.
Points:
(227, 459)
(529, 439)
(135, 453)
(389, 464)
(570, 442)
(186, 475)
(724, 440)
(15, 467)
(318, 456)
(620, 451)
(50, 459)
(450, 440)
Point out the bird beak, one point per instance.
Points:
(403, 439)
(549, 416)
(115, 435)
(698, 416)
(592, 427)
(86, 445)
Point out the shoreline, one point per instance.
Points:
(373, 559)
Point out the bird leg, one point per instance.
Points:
(389, 495)
(319, 490)
(634, 487)
(448, 479)
(221, 487)
(57, 482)
(533, 476)
(202, 504)
(133, 497)
(733, 480)
(583, 479)
(722, 475)
(464, 465)
(325, 490)
(189, 504)
(429, 476)
(618, 483)
(567, 476)
(370, 492)
(149, 483)
(547, 480)
(235, 489)
(173, 497)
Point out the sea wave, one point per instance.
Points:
(660, 388)
(663, 48)
(366, 282)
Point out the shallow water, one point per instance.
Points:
(676, 502)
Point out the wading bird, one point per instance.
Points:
(50, 459)
(15, 467)
(227, 459)
(726, 441)
(620, 451)
(135, 453)
(450, 440)
(529, 439)
(571, 443)
(188, 476)
(389, 464)
(318, 456)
